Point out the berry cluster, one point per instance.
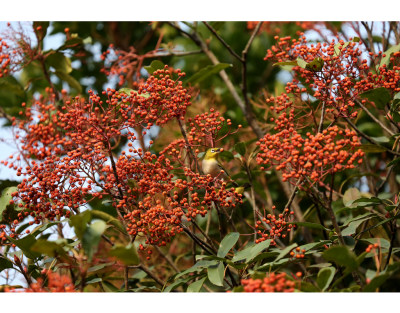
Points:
(4, 58)
(68, 151)
(278, 226)
(273, 28)
(55, 283)
(335, 73)
(208, 128)
(271, 283)
(307, 157)
(372, 247)
(297, 253)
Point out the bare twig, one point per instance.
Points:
(321, 122)
(145, 269)
(393, 229)
(366, 137)
(374, 118)
(223, 41)
(167, 258)
(126, 277)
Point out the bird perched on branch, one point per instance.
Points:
(212, 166)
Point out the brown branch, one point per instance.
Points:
(223, 41)
(145, 269)
(369, 139)
(248, 114)
(393, 229)
(168, 259)
(374, 118)
(126, 277)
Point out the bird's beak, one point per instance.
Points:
(219, 150)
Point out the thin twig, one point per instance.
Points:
(145, 269)
(393, 228)
(223, 41)
(126, 277)
(27, 278)
(366, 137)
(167, 258)
(321, 122)
(374, 118)
(204, 233)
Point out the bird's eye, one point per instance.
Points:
(212, 150)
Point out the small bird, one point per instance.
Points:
(240, 190)
(212, 166)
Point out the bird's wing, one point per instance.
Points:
(227, 174)
(222, 168)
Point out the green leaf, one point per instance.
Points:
(285, 251)
(49, 248)
(352, 226)
(350, 196)
(240, 148)
(176, 284)
(301, 63)
(196, 267)
(5, 263)
(345, 44)
(257, 249)
(108, 219)
(91, 237)
(43, 32)
(126, 91)
(385, 60)
(381, 139)
(227, 243)
(59, 62)
(325, 277)
(383, 243)
(372, 201)
(376, 282)
(42, 228)
(286, 63)
(393, 162)
(320, 265)
(380, 96)
(226, 155)
(25, 244)
(380, 223)
(216, 274)
(315, 65)
(308, 287)
(207, 72)
(314, 245)
(12, 85)
(93, 280)
(109, 287)
(242, 255)
(126, 254)
(310, 225)
(99, 267)
(154, 66)
(342, 256)
(371, 148)
(5, 199)
(72, 82)
(71, 43)
(79, 222)
(196, 286)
